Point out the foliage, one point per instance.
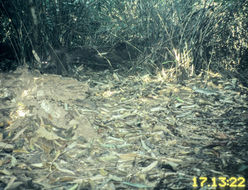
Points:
(230, 41)
(196, 35)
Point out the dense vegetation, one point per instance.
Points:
(195, 36)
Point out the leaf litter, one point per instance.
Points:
(117, 131)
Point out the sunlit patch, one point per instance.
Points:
(25, 93)
(108, 93)
(146, 78)
(22, 113)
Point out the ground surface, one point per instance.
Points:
(110, 131)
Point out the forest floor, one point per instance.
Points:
(118, 131)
